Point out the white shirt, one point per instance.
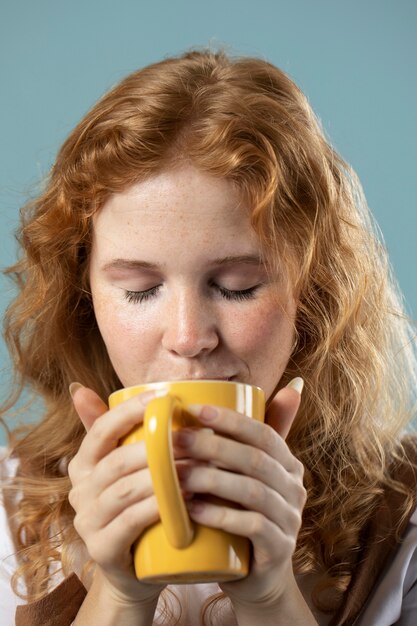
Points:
(393, 601)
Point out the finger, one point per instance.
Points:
(235, 456)
(122, 494)
(87, 403)
(107, 545)
(282, 509)
(267, 538)
(258, 438)
(120, 462)
(99, 508)
(107, 430)
(122, 532)
(283, 408)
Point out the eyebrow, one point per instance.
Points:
(137, 264)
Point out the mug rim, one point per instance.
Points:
(165, 383)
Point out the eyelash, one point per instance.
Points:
(238, 295)
(141, 296)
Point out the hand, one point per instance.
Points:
(256, 469)
(112, 492)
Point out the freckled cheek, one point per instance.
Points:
(261, 331)
(266, 346)
(127, 337)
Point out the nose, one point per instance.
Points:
(191, 328)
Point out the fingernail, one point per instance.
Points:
(74, 387)
(204, 413)
(297, 384)
(196, 506)
(184, 437)
(183, 471)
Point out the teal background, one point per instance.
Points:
(356, 62)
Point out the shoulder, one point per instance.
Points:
(8, 468)
(389, 545)
(8, 563)
(404, 469)
(8, 465)
(394, 598)
(409, 443)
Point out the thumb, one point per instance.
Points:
(284, 406)
(87, 403)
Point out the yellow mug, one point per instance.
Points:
(176, 549)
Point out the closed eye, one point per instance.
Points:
(237, 294)
(141, 296)
(228, 294)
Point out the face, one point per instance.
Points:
(179, 289)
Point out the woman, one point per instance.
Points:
(196, 224)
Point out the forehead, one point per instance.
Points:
(177, 204)
(185, 189)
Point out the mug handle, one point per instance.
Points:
(173, 512)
